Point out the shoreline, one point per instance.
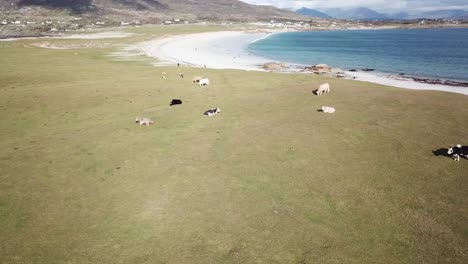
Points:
(228, 50)
(216, 50)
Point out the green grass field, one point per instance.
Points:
(269, 180)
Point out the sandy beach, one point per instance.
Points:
(229, 50)
(215, 50)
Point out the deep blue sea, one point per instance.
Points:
(436, 53)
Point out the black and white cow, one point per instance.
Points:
(212, 112)
(176, 102)
(457, 151)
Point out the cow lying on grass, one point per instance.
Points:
(327, 109)
(203, 82)
(212, 112)
(458, 151)
(176, 102)
(144, 121)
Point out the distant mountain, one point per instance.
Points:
(450, 14)
(398, 16)
(139, 9)
(360, 13)
(312, 13)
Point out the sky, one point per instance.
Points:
(410, 6)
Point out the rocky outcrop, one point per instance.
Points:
(434, 81)
(319, 69)
(275, 66)
(326, 70)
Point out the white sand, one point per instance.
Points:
(217, 50)
(15, 39)
(228, 50)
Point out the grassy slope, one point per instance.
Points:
(269, 180)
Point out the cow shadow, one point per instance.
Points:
(441, 152)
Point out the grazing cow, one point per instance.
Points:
(163, 75)
(212, 112)
(458, 151)
(203, 82)
(323, 88)
(144, 121)
(196, 79)
(327, 109)
(176, 102)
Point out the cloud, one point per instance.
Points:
(412, 6)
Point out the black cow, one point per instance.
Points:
(176, 102)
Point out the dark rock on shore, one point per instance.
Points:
(275, 66)
(437, 81)
(326, 70)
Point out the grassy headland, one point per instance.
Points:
(269, 180)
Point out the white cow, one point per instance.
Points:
(324, 88)
(144, 121)
(329, 110)
(203, 82)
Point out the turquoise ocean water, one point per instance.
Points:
(433, 53)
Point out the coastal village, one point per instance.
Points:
(17, 26)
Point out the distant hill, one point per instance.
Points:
(450, 14)
(399, 16)
(360, 13)
(312, 13)
(138, 9)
